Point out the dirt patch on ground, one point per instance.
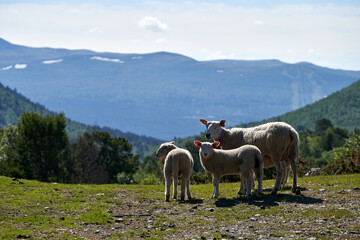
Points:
(315, 214)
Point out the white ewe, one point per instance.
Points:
(277, 141)
(177, 162)
(244, 160)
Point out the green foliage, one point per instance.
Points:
(9, 159)
(36, 148)
(201, 178)
(345, 159)
(315, 147)
(98, 158)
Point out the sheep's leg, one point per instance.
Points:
(259, 176)
(286, 168)
(247, 178)
(294, 170)
(188, 188)
(279, 177)
(175, 185)
(167, 187)
(252, 178)
(216, 182)
(182, 188)
(241, 190)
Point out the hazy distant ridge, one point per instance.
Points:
(163, 94)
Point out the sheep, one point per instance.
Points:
(176, 162)
(244, 160)
(277, 141)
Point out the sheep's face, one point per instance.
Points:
(213, 128)
(163, 151)
(206, 148)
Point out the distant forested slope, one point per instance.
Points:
(341, 107)
(13, 105)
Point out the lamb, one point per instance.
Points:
(277, 141)
(244, 160)
(176, 162)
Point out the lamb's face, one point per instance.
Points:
(163, 151)
(213, 128)
(206, 150)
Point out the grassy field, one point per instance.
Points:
(328, 208)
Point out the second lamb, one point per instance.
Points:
(244, 160)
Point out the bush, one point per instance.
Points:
(345, 159)
(124, 178)
(201, 178)
(150, 179)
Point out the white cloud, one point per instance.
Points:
(310, 51)
(95, 30)
(259, 22)
(161, 41)
(153, 24)
(52, 61)
(20, 66)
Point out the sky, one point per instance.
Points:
(326, 33)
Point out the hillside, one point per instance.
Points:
(14, 104)
(163, 94)
(341, 107)
(328, 208)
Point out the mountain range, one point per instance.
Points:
(163, 94)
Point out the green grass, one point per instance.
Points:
(64, 211)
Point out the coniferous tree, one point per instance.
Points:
(42, 144)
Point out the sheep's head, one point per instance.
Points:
(213, 129)
(163, 151)
(206, 148)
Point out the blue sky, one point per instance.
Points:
(326, 33)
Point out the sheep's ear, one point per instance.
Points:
(197, 143)
(215, 145)
(222, 123)
(203, 121)
(172, 142)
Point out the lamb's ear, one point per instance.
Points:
(222, 123)
(215, 145)
(172, 142)
(197, 143)
(203, 121)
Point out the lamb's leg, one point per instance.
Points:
(241, 190)
(216, 182)
(247, 180)
(182, 188)
(175, 185)
(279, 177)
(167, 187)
(188, 188)
(294, 170)
(259, 176)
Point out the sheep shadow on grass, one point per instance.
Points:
(267, 200)
(191, 201)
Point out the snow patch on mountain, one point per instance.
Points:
(115, 60)
(52, 61)
(20, 66)
(7, 68)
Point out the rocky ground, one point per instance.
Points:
(327, 208)
(315, 214)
